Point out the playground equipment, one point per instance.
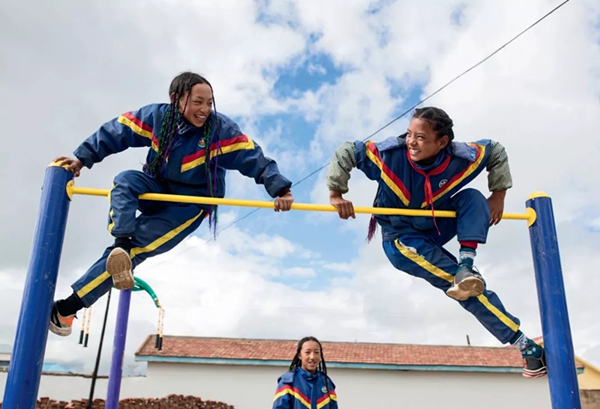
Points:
(31, 336)
(119, 340)
(116, 364)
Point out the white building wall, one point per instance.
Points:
(252, 387)
(68, 388)
(248, 387)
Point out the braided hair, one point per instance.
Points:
(181, 86)
(438, 119)
(442, 124)
(297, 362)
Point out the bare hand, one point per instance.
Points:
(74, 165)
(496, 202)
(344, 207)
(284, 203)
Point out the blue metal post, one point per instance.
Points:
(25, 370)
(116, 365)
(560, 357)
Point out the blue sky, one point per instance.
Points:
(297, 133)
(327, 239)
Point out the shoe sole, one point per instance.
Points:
(540, 373)
(118, 265)
(467, 288)
(60, 331)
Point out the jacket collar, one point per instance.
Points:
(307, 375)
(437, 162)
(184, 127)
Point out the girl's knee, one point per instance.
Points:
(472, 199)
(125, 177)
(470, 194)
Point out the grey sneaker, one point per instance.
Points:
(467, 283)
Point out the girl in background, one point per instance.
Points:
(306, 384)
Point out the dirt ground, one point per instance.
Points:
(169, 402)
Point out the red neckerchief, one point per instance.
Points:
(428, 192)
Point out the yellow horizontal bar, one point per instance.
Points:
(295, 206)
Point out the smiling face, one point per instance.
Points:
(422, 141)
(199, 104)
(310, 356)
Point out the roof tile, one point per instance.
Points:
(338, 352)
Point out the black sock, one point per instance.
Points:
(70, 305)
(124, 243)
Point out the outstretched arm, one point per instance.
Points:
(499, 181)
(342, 163)
(132, 129)
(237, 151)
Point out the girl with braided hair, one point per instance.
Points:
(191, 146)
(306, 384)
(423, 168)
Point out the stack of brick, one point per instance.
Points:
(170, 402)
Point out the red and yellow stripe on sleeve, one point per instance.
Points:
(325, 399)
(388, 177)
(289, 390)
(140, 128)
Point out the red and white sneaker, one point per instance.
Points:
(534, 367)
(60, 325)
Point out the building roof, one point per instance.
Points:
(337, 354)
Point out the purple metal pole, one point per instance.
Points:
(116, 365)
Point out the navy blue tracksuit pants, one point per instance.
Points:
(159, 228)
(422, 255)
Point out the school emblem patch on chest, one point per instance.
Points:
(443, 182)
(324, 390)
(202, 143)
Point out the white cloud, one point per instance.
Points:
(595, 223)
(207, 290)
(305, 272)
(539, 97)
(339, 267)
